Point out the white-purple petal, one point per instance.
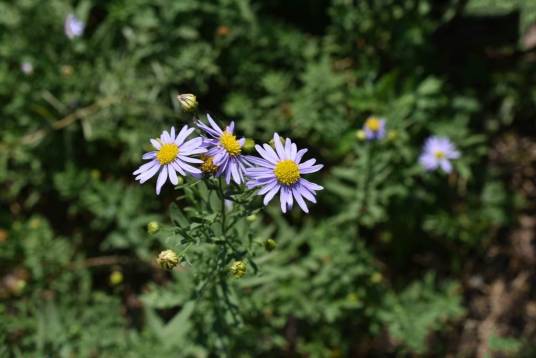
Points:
(162, 177)
(172, 175)
(311, 169)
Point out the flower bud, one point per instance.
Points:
(3, 235)
(95, 174)
(376, 277)
(168, 259)
(238, 269)
(270, 245)
(360, 134)
(392, 135)
(251, 218)
(208, 166)
(249, 145)
(188, 101)
(272, 143)
(153, 227)
(116, 277)
(67, 70)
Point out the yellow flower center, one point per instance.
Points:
(373, 124)
(439, 154)
(229, 142)
(208, 165)
(167, 153)
(287, 172)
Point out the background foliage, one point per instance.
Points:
(389, 258)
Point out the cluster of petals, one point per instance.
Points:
(172, 155)
(278, 169)
(438, 152)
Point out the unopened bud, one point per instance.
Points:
(3, 235)
(168, 259)
(67, 70)
(153, 227)
(188, 102)
(392, 135)
(116, 277)
(95, 174)
(272, 143)
(251, 218)
(270, 245)
(376, 277)
(360, 134)
(238, 269)
(249, 145)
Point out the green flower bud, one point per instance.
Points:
(188, 101)
(153, 227)
(272, 143)
(95, 174)
(238, 269)
(20, 285)
(376, 277)
(353, 297)
(249, 145)
(360, 134)
(116, 278)
(168, 259)
(392, 135)
(270, 245)
(251, 218)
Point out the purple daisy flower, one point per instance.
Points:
(225, 151)
(281, 170)
(374, 128)
(171, 155)
(27, 68)
(73, 26)
(437, 153)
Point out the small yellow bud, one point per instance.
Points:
(35, 223)
(238, 269)
(272, 143)
(116, 278)
(353, 297)
(67, 70)
(168, 259)
(3, 235)
(392, 135)
(20, 285)
(270, 245)
(251, 218)
(360, 134)
(249, 145)
(376, 277)
(153, 227)
(208, 166)
(188, 101)
(95, 174)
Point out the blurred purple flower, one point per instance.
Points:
(27, 68)
(374, 128)
(438, 153)
(225, 150)
(280, 170)
(73, 26)
(172, 155)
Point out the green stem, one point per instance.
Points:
(223, 214)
